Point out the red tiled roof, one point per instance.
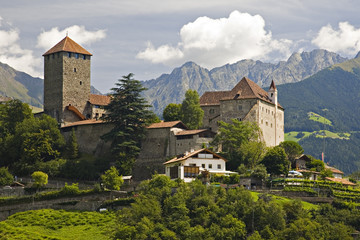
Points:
(168, 125)
(84, 122)
(67, 45)
(334, 170)
(213, 98)
(101, 100)
(190, 154)
(245, 89)
(191, 132)
(340, 180)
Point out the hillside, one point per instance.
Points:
(20, 85)
(24, 87)
(328, 100)
(171, 87)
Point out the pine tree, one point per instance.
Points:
(128, 110)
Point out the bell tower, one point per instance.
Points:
(66, 81)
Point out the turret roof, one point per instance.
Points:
(272, 86)
(67, 45)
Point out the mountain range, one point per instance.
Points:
(171, 88)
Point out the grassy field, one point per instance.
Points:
(58, 224)
(318, 118)
(306, 205)
(295, 136)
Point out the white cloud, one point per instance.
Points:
(213, 42)
(345, 40)
(79, 34)
(12, 54)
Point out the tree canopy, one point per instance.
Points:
(111, 179)
(130, 114)
(292, 150)
(172, 112)
(234, 139)
(191, 112)
(275, 161)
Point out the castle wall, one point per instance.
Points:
(193, 143)
(211, 116)
(272, 123)
(67, 81)
(238, 109)
(76, 88)
(53, 85)
(89, 137)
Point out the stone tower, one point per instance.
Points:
(66, 81)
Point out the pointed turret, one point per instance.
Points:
(272, 92)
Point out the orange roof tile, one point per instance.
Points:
(340, 180)
(245, 89)
(67, 45)
(190, 154)
(168, 125)
(101, 100)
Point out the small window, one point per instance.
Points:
(76, 55)
(219, 166)
(84, 56)
(211, 111)
(80, 82)
(240, 107)
(75, 71)
(272, 94)
(210, 166)
(53, 55)
(69, 54)
(262, 121)
(266, 123)
(270, 125)
(203, 165)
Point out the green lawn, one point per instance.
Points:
(294, 136)
(306, 205)
(58, 224)
(318, 118)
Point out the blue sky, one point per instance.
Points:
(149, 38)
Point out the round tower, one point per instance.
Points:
(66, 81)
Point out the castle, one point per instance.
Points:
(67, 98)
(246, 102)
(67, 95)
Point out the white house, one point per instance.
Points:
(191, 164)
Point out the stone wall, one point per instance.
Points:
(271, 121)
(67, 81)
(211, 116)
(89, 137)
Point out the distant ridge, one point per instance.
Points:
(171, 87)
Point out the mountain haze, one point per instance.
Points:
(171, 88)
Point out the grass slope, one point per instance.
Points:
(58, 224)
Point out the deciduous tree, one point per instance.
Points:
(191, 112)
(111, 179)
(275, 161)
(40, 178)
(172, 112)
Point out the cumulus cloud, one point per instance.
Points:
(79, 34)
(12, 54)
(213, 42)
(344, 40)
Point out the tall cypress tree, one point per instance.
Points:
(130, 113)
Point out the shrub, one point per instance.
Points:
(5, 177)
(40, 179)
(72, 189)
